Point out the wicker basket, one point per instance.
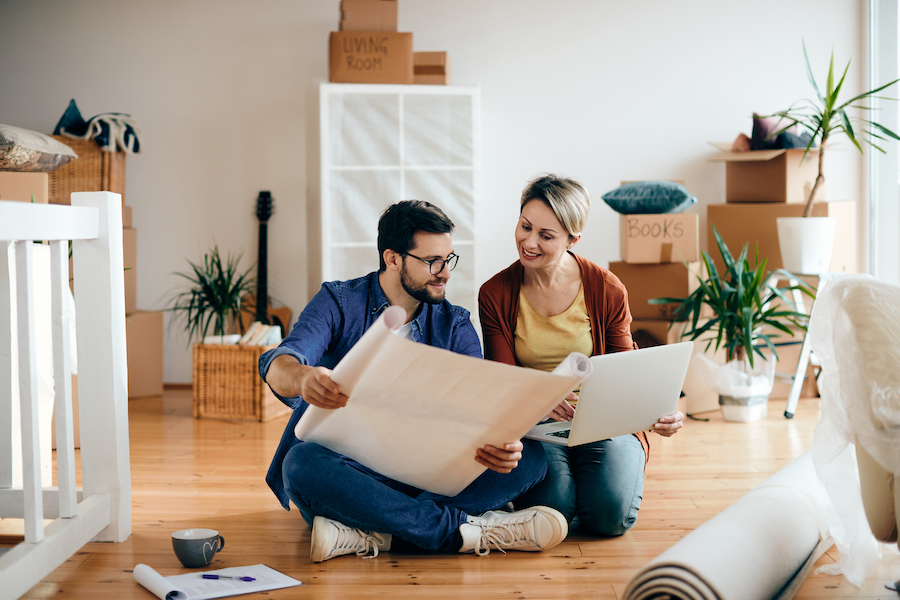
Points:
(94, 170)
(227, 384)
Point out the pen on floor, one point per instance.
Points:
(237, 577)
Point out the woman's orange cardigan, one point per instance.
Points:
(607, 305)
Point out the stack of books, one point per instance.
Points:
(259, 334)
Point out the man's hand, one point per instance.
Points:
(563, 411)
(669, 425)
(290, 378)
(501, 460)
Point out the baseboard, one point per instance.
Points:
(177, 386)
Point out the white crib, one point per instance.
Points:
(101, 509)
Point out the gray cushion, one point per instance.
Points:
(649, 198)
(26, 150)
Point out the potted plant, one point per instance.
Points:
(213, 296)
(806, 243)
(748, 310)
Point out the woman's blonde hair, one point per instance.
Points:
(568, 199)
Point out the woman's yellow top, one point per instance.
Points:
(543, 342)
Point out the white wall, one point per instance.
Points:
(226, 93)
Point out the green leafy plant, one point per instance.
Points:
(746, 314)
(829, 117)
(213, 296)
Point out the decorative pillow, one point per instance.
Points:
(26, 150)
(649, 197)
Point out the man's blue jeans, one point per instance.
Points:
(322, 482)
(601, 483)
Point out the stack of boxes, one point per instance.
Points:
(760, 186)
(654, 249)
(369, 49)
(144, 329)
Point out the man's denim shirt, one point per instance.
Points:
(333, 322)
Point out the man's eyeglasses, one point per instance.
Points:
(436, 265)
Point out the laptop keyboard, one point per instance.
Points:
(563, 434)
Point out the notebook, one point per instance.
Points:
(626, 392)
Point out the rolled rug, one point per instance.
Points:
(762, 546)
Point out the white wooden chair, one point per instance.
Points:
(101, 509)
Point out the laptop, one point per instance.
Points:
(626, 392)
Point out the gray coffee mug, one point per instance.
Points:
(197, 547)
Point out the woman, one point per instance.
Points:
(546, 305)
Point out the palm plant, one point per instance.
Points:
(743, 303)
(826, 117)
(213, 296)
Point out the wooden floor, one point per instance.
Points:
(206, 473)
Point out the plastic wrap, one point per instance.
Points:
(855, 334)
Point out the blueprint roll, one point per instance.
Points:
(574, 365)
(348, 371)
(762, 546)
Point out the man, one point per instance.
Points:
(352, 509)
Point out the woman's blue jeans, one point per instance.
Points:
(322, 482)
(600, 483)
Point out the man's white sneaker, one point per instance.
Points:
(531, 530)
(332, 538)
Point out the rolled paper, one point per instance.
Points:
(350, 368)
(574, 365)
(762, 546)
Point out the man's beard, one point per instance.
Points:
(419, 292)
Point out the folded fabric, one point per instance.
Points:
(26, 150)
(766, 134)
(111, 131)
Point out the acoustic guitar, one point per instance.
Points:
(264, 312)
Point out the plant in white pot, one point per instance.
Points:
(748, 311)
(806, 242)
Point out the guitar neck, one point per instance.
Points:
(262, 283)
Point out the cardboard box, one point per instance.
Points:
(129, 239)
(431, 68)
(19, 186)
(368, 15)
(753, 224)
(129, 255)
(700, 393)
(644, 282)
(144, 342)
(126, 216)
(370, 57)
(770, 175)
(662, 238)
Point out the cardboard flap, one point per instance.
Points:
(750, 156)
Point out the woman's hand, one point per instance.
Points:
(563, 411)
(502, 460)
(669, 425)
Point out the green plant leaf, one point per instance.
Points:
(809, 74)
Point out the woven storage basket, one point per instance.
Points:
(227, 384)
(94, 170)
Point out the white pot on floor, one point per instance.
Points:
(744, 390)
(806, 243)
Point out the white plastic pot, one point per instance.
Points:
(744, 390)
(806, 243)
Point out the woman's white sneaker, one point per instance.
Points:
(530, 530)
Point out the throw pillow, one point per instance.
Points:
(26, 150)
(649, 197)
